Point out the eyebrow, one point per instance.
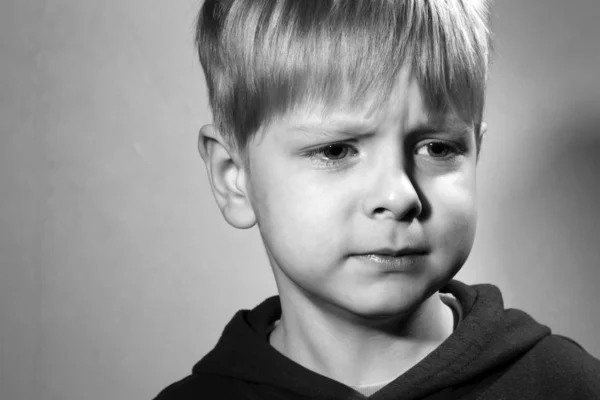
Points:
(336, 129)
(445, 125)
(357, 129)
(444, 121)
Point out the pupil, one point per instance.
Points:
(335, 151)
(437, 148)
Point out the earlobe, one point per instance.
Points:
(228, 178)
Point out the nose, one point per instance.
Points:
(393, 194)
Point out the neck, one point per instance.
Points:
(357, 353)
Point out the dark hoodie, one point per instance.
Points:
(494, 353)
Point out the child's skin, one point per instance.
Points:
(346, 317)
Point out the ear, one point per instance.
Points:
(481, 134)
(228, 178)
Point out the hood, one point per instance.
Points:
(488, 338)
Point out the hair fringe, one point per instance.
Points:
(264, 58)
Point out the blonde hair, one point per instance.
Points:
(263, 58)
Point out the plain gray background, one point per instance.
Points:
(117, 270)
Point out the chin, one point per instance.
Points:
(384, 303)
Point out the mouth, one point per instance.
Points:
(394, 260)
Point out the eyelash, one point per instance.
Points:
(454, 149)
(313, 155)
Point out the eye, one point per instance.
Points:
(439, 150)
(331, 154)
(335, 151)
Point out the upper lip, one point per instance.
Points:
(388, 251)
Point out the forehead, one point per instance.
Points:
(405, 105)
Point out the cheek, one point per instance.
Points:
(452, 202)
(297, 216)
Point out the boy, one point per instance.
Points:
(349, 131)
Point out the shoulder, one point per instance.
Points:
(555, 368)
(568, 358)
(186, 388)
(566, 365)
(200, 386)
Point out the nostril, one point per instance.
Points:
(406, 213)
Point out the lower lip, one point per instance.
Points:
(400, 263)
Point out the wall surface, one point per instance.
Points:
(117, 269)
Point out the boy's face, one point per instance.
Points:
(326, 191)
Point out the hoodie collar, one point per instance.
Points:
(488, 336)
